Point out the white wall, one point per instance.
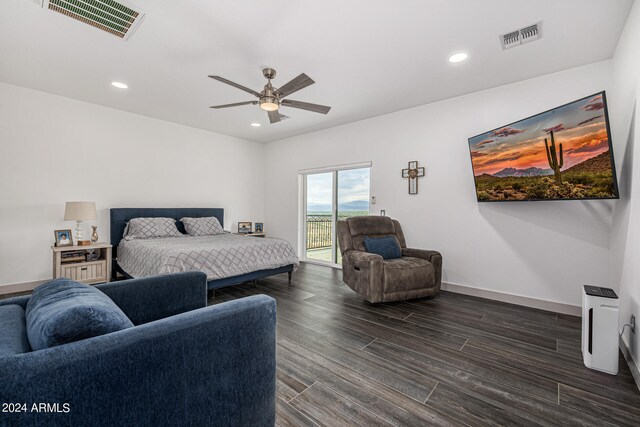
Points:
(542, 250)
(55, 149)
(625, 235)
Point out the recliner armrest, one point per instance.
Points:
(434, 257)
(151, 298)
(362, 259)
(421, 253)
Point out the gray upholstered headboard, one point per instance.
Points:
(120, 216)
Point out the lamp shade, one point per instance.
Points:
(80, 211)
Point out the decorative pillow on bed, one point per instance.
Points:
(147, 228)
(207, 226)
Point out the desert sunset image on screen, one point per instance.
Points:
(564, 153)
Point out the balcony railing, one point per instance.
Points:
(320, 228)
(319, 231)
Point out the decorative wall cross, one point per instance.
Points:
(413, 172)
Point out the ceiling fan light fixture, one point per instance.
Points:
(269, 103)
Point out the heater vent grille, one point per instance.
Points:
(114, 17)
(521, 36)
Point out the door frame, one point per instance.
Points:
(302, 204)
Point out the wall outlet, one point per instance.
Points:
(633, 324)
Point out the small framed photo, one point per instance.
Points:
(63, 237)
(244, 227)
(259, 227)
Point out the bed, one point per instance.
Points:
(227, 259)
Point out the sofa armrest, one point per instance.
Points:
(212, 366)
(361, 259)
(21, 301)
(151, 298)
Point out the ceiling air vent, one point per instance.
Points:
(521, 36)
(115, 17)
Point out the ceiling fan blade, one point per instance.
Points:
(234, 105)
(316, 108)
(274, 116)
(295, 85)
(229, 82)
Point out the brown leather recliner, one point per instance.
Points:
(417, 274)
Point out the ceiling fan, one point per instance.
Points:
(271, 98)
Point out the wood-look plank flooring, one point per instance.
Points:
(449, 360)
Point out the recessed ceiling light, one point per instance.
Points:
(256, 125)
(119, 85)
(458, 57)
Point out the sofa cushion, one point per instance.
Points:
(386, 247)
(13, 331)
(62, 311)
(407, 273)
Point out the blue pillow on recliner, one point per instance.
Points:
(386, 247)
(63, 311)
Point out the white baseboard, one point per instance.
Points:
(634, 366)
(557, 307)
(20, 287)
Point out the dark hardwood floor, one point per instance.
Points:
(449, 360)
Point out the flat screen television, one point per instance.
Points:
(561, 154)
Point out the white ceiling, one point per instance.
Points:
(368, 57)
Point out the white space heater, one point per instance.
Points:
(600, 329)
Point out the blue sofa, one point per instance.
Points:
(182, 363)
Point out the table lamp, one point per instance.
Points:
(78, 212)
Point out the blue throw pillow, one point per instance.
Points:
(386, 247)
(63, 311)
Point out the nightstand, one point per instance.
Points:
(252, 234)
(71, 262)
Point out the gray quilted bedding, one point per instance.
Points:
(220, 256)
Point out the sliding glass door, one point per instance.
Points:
(330, 196)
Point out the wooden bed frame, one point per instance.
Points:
(120, 216)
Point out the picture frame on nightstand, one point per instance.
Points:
(63, 238)
(244, 227)
(259, 227)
